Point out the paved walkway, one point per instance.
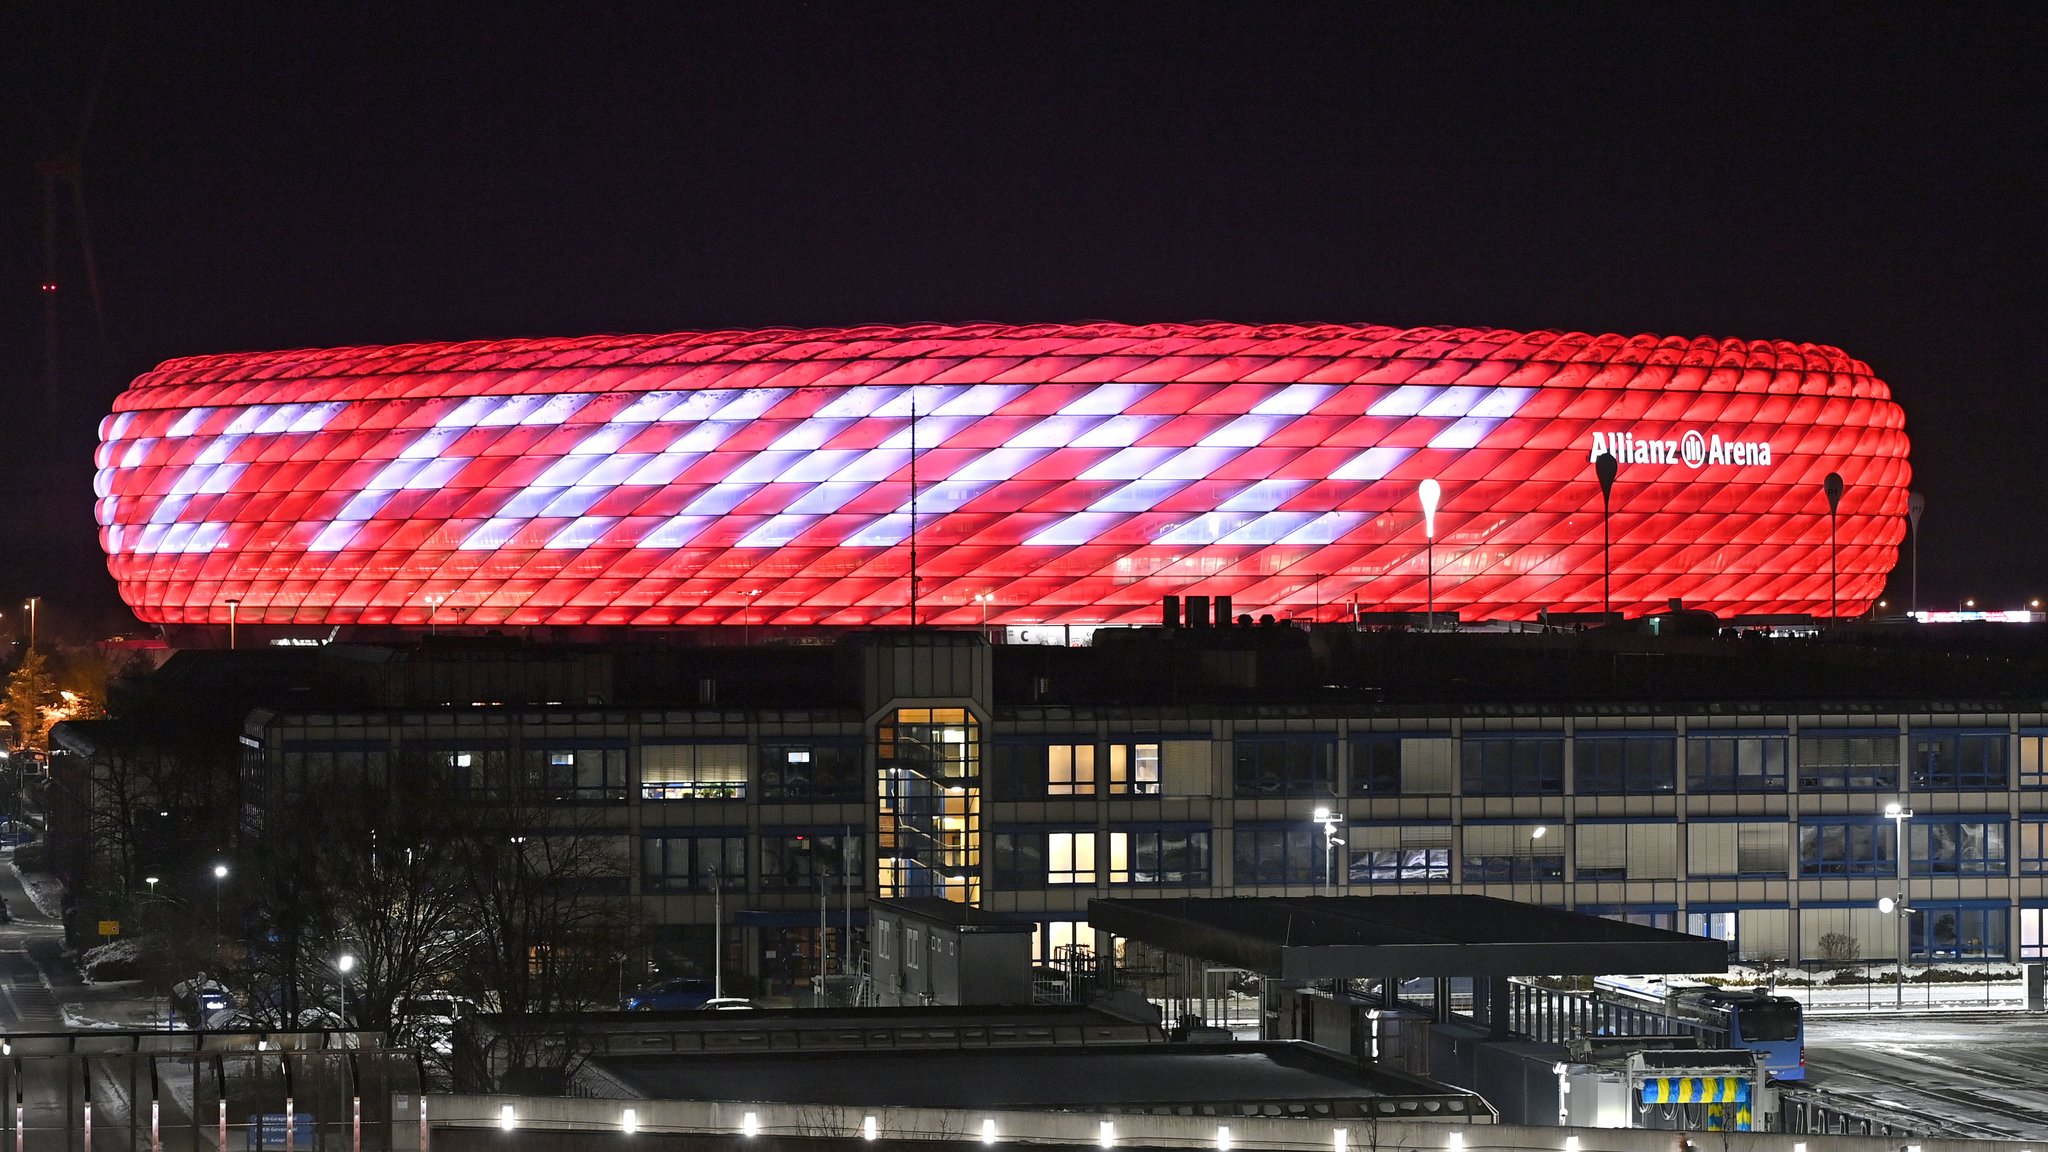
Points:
(40, 987)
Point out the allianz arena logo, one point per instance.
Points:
(1694, 450)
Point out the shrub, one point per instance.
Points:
(1840, 948)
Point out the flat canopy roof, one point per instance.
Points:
(1364, 937)
(1290, 1078)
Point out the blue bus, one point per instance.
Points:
(1757, 1021)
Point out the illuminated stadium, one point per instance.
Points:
(1050, 474)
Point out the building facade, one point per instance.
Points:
(1758, 821)
(1053, 474)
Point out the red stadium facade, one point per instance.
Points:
(1051, 474)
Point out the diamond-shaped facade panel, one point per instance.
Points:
(1045, 474)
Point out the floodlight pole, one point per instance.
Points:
(717, 935)
(1833, 487)
(1430, 492)
(1606, 467)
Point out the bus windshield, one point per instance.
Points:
(1768, 1021)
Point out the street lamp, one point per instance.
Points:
(1833, 487)
(1429, 490)
(1898, 814)
(151, 881)
(1329, 820)
(1535, 877)
(343, 965)
(434, 603)
(1606, 467)
(32, 603)
(234, 611)
(984, 599)
(220, 877)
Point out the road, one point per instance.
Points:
(1975, 1075)
(30, 946)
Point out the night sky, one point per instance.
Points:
(266, 176)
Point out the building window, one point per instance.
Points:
(1941, 931)
(1383, 764)
(2033, 758)
(1513, 765)
(1737, 848)
(1375, 765)
(1648, 916)
(1070, 770)
(1034, 771)
(1959, 761)
(1627, 851)
(811, 770)
(1508, 853)
(2033, 845)
(1031, 859)
(1159, 854)
(2034, 933)
(581, 775)
(1730, 763)
(1849, 762)
(1616, 765)
(1134, 769)
(794, 858)
(928, 812)
(1292, 765)
(1278, 854)
(693, 772)
(694, 861)
(1393, 854)
(1855, 847)
(1956, 846)
(475, 772)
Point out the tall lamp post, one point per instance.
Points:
(1429, 490)
(220, 879)
(1898, 814)
(434, 603)
(1331, 841)
(984, 599)
(717, 934)
(1833, 487)
(1535, 877)
(234, 611)
(32, 603)
(343, 965)
(152, 881)
(1915, 505)
(1606, 467)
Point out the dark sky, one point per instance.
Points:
(261, 175)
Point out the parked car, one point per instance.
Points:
(728, 1004)
(203, 1001)
(677, 993)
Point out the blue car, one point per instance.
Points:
(678, 993)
